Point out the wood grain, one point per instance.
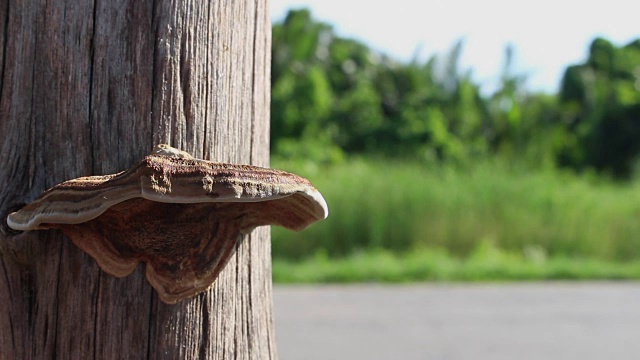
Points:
(89, 88)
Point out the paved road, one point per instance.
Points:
(509, 321)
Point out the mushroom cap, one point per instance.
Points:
(182, 216)
(171, 179)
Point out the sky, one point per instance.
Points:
(547, 35)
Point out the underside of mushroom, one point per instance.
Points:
(181, 216)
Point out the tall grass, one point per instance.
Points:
(400, 207)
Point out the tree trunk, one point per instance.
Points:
(88, 88)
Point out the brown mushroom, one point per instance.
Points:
(181, 216)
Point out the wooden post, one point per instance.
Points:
(87, 88)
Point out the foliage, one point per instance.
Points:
(600, 102)
(486, 263)
(428, 176)
(333, 96)
(406, 206)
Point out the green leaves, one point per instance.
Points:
(338, 95)
(333, 96)
(600, 100)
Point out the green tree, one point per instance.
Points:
(600, 105)
(332, 95)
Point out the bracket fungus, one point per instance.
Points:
(181, 216)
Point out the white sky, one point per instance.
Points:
(547, 34)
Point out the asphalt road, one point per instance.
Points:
(431, 321)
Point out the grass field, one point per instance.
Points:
(395, 221)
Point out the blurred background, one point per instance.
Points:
(459, 140)
(463, 147)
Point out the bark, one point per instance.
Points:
(88, 88)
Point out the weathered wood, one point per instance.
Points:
(89, 87)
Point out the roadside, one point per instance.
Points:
(581, 320)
